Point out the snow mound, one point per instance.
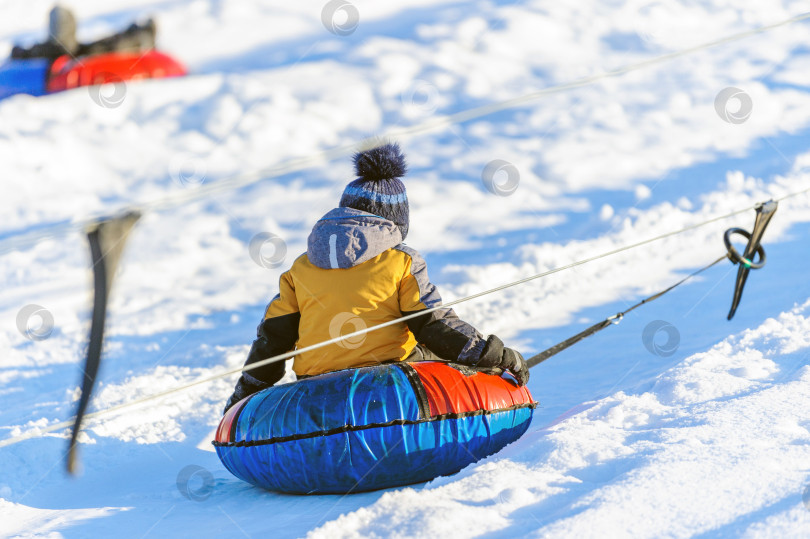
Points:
(719, 444)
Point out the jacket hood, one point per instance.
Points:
(346, 237)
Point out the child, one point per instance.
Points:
(357, 270)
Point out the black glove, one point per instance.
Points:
(495, 354)
(514, 363)
(246, 386)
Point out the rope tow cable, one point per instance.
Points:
(765, 211)
(615, 319)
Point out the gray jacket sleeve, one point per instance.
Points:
(442, 331)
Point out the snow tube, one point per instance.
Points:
(23, 77)
(371, 428)
(67, 73)
(36, 77)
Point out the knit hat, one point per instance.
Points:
(378, 189)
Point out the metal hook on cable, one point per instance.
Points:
(765, 211)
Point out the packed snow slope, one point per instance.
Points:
(704, 430)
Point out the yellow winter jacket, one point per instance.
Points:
(336, 302)
(357, 274)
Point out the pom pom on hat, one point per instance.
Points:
(384, 162)
(378, 189)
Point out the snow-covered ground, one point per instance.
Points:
(630, 440)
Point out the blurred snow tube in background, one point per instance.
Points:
(371, 428)
(35, 77)
(23, 77)
(111, 68)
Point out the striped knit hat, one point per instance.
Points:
(378, 189)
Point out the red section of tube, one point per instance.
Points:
(111, 68)
(224, 429)
(451, 391)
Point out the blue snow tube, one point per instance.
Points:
(24, 77)
(371, 428)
